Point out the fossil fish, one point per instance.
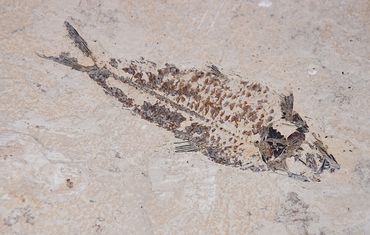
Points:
(232, 121)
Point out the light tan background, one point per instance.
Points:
(55, 124)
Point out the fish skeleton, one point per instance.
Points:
(234, 122)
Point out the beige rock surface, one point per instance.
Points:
(72, 161)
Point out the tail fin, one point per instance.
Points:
(79, 42)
